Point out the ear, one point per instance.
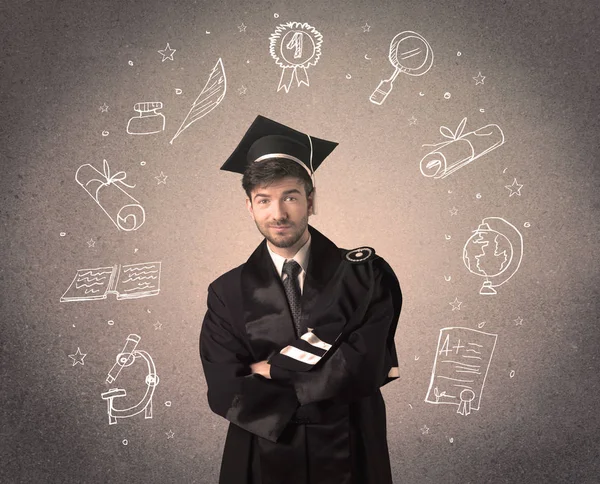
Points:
(250, 208)
(311, 202)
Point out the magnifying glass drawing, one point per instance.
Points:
(410, 54)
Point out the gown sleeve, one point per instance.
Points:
(355, 364)
(259, 405)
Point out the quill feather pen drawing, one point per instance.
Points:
(211, 96)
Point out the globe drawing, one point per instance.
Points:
(493, 252)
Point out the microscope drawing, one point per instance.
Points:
(126, 358)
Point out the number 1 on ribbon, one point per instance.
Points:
(296, 43)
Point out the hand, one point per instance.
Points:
(261, 368)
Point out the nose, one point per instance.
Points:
(279, 212)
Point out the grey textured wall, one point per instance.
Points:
(71, 75)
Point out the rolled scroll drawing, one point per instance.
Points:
(108, 191)
(460, 149)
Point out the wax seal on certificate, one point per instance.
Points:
(295, 47)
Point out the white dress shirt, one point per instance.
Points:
(301, 258)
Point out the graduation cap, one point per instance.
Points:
(267, 139)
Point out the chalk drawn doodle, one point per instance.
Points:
(78, 357)
(412, 121)
(460, 149)
(242, 90)
(424, 430)
(453, 211)
(148, 120)
(162, 178)
(209, 98)
(91, 243)
(515, 188)
(366, 27)
(108, 191)
(295, 47)
(410, 54)
(127, 282)
(478, 79)
(170, 434)
(518, 321)
(455, 304)
(126, 359)
(242, 28)
(167, 53)
(104, 108)
(462, 360)
(494, 252)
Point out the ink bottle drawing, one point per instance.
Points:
(149, 120)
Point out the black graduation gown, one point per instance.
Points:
(321, 418)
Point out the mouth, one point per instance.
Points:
(280, 227)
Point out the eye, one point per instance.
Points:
(291, 198)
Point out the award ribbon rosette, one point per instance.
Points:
(108, 191)
(460, 149)
(295, 47)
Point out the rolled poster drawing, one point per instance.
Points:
(108, 191)
(460, 149)
(462, 360)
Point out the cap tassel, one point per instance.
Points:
(314, 192)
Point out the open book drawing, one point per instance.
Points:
(127, 282)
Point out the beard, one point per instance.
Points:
(287, 239)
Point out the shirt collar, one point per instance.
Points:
(301, 257)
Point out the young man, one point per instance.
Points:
(297, 341)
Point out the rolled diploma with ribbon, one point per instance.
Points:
(124, 210)
(452, 155)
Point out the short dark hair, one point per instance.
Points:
(263, 173)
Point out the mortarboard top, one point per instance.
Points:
(267, 139)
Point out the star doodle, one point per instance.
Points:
(104, 108)
(78, 357)
(412, 120)
(455, 304)
(162, 178)
(242, 28)
(91, 243)
(167, 52)
(515, 188)
(479, 79)
(424, 429)
(157, 325)
(518, 321)
(170, 434)
(366, 27)
(453, 211)
(242, 90)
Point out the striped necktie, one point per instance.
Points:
(292, 291)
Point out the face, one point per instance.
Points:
(281, 212)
